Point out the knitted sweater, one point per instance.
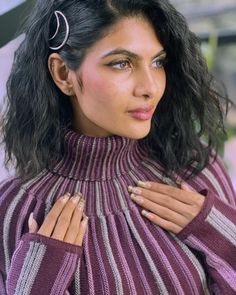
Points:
(123, 252)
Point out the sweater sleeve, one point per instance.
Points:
(31, 264)
(212, 232)
(42, 265)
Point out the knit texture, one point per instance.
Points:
(123, 252)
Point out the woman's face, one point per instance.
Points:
(121, 73)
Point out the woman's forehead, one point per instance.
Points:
(134, 34)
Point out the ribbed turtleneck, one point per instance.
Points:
(98, 158)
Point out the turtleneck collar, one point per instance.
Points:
(98, 158)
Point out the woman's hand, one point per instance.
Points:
(63, 221)
(170, 207)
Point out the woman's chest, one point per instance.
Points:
(126, 254)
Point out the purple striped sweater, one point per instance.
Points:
(123, 252)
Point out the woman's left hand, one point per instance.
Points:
(170, 207)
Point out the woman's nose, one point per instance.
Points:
(146, 84)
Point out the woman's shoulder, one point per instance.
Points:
(215, 177)
(10, 186)
(15, 185)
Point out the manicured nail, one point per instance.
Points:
(145, 213)
(144, 184)
(81, 202)
(85, 218)
(75, 199)
(186, 187)
(136, 198)
(178, 182)
(78, 194)
(130, 189)
(30, 222)
(132, 196)
(66, 197)
(135, 190)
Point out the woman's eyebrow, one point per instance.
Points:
(130, 54)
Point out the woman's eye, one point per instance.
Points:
(159, 63)
(122, 64)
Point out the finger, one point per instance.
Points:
(73, 229)
(32, 224)
(165, 201)
(163, 212)
(51, 219)
(82, 232)
(65, 218)
(186, 211)
(186, 187)
(166, 224)
(174, 192)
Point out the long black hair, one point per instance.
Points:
(187, 123)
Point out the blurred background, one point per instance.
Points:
(214, 21)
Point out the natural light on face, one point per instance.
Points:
(122, 72)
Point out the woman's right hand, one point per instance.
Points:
(63, 221)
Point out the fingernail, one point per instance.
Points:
(132, 196)
(186, 187)
(30, 221)
(85, 218)
(75, 199)
(32, 224)
(130, 189)
(136, 198)
(66, 197)
(81, 202)
(178, 183)
(78, 194)
(144, 184)
(145, 213)
(135, 190)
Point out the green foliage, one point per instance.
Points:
(209, 50)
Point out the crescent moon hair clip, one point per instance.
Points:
(57, 13)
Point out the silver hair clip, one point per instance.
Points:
(57, 29)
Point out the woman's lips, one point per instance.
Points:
(142, 115)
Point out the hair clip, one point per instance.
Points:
(57, 30)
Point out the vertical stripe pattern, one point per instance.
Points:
(30, 268)
(123, 252)
(66, 270)
(223, 225)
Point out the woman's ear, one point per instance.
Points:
(60, 74)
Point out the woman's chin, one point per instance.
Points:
(138, 133)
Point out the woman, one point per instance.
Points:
(111, 102)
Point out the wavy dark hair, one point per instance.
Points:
(187, 124)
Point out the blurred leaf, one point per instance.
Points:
(209, 50)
